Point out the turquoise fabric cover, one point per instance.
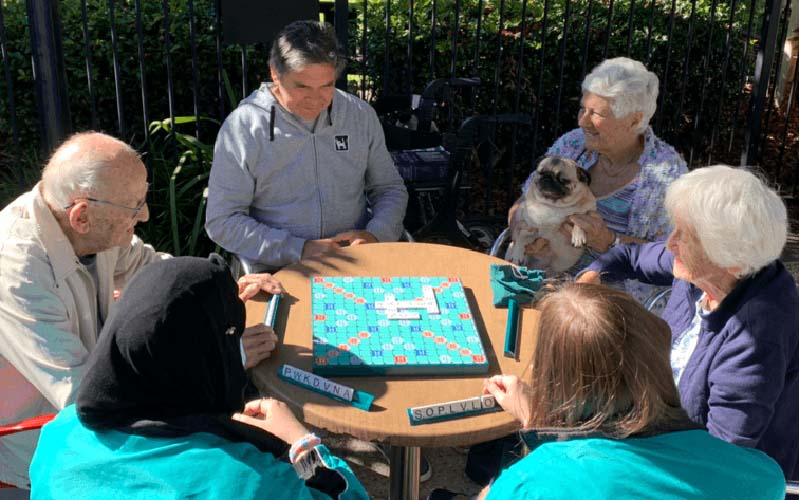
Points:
(675, 465)
(75, 463)
(514, 282)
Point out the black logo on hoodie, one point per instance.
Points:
(342, 142)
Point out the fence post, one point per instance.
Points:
(341, 17)
(765, 58)
(49, 76)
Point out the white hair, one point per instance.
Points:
(739, 220)
(628, 85)
(78, 167)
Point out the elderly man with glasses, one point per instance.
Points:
(66, 246)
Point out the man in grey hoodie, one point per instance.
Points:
(298, 162)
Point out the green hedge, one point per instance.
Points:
(192, 155)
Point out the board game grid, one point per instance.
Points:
(353, 333)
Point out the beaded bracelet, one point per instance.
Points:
(305, 443)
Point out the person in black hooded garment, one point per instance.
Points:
(157, 415)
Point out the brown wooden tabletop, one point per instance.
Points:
(388, 418)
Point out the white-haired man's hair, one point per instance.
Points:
(739, 220)
(629, 86)
(76, 169)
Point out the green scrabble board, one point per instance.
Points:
(393, 326)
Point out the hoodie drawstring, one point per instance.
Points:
(272, 120)
(272, 124)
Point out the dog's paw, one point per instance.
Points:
(512, 254)
(579, 238)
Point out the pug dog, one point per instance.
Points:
(559, 188)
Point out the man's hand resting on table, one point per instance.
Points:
(272, 416)
(317, 247)
(347, 238)
(354, 237)
(258, 341)
(251, 285)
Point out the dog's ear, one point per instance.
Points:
(583, 175)
(537, 162)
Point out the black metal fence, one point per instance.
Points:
(118, 66)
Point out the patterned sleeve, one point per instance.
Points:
(648, 218)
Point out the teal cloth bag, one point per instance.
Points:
(514, 282)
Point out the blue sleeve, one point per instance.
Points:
(231, 188)
(649, 263)
(747, 375)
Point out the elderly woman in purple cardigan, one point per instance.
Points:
(630, 167)
(733, 310)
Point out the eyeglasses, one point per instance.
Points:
(135, 209)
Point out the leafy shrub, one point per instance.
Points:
(689, 64)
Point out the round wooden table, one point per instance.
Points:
(387, 421)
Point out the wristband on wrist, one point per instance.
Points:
(300, 446)
(616, 240)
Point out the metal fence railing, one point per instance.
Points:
(118, 66)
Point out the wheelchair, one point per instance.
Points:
(435, 165)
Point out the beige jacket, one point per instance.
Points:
(48, 318)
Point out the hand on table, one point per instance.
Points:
(251, 285)
(317, 247)
(598, 235)
(511, 394)
(272, 416)
(354, 237)
(259, 341)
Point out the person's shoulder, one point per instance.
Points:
(22, 248)
(254, 108)
(568, 145)
(661, 157)
(739, 459)
(772, 309)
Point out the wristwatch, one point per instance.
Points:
(306, 465)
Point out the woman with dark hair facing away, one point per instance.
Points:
(156, 415)
(603, 416)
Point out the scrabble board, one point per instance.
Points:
(393, 326)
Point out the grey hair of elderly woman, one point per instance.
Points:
(305, 42)
(629, 86)
(740, 221)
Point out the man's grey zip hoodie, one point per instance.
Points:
(275, 183)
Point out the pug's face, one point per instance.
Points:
(560, 181)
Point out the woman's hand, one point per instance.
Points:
(598, 235)
(258, 341)
(272, 416)
(589, 277)
(511, 394)
(252, 284)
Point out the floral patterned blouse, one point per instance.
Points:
(660, 165)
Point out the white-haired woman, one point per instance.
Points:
(630, 167)
(733, 310)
